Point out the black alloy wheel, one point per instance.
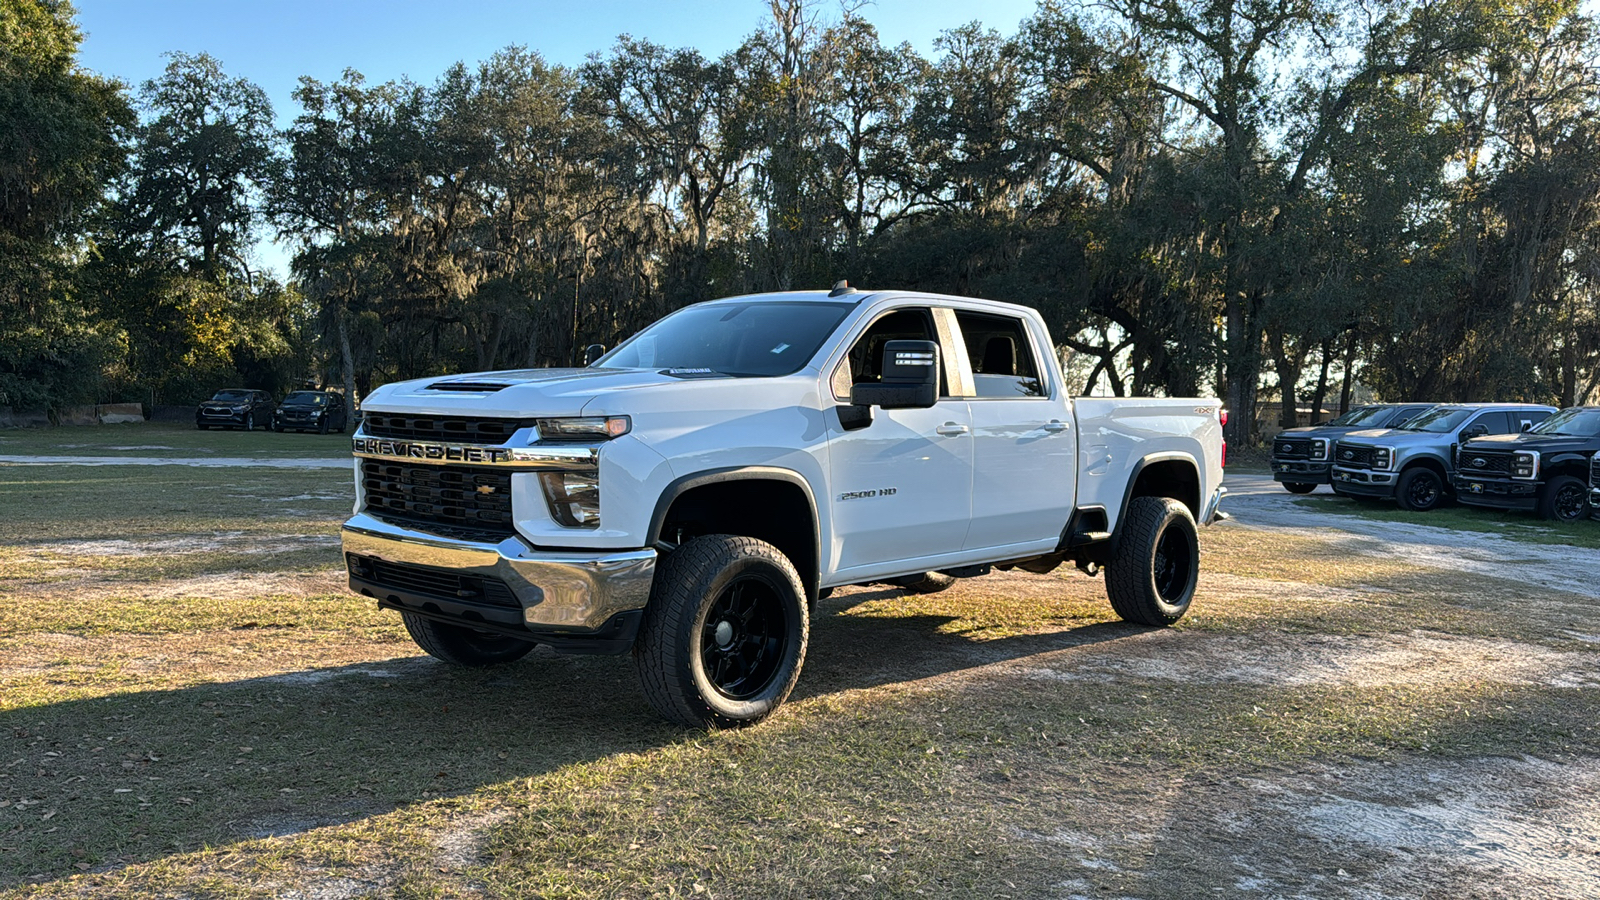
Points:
(1420, 490)
(741, 642)
(1173, 567)
(1155, 565)
(1566, 499)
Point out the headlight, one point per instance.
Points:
(1319, 448)
(584, 428)
(574, 498)
(1382, 457)
(1525, 464)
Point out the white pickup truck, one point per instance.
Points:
(688, 496)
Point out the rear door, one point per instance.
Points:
(902, 483)
(1024, 444)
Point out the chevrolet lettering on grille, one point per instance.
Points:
(423, 450)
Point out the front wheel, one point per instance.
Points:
(1420, 490)
(1565, 499)
(1156, 565)
(724, 635)
(1297, 487)
(462, 646)
(249, 421)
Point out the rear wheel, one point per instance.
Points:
(724, 636)
(462, 646)
(1420, 490)
(1156, 565)
(1297, 487)
(1565, 499)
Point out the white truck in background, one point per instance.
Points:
(687, 497)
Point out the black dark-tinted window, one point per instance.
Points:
(1494, 421)
(233, 396)
(1577, 421)
(1439, 420)
(761, 338)
(1406, 413)
(1527, 419)
(864, 365)
(1001, 356)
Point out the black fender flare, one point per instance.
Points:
(1133, 479)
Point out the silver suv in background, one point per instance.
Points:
(1413, 464)
(1301, 457)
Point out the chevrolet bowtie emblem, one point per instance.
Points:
(485, 488)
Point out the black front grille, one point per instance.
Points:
(1346, 455)
(1291, 448)
(450, 496)
(1489, 463)
(441, 583)
(442, 428)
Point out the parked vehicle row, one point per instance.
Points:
(319, 411)
(1516, 456)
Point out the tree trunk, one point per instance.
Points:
(348, 361)
(1321, 395)
(1348, 384)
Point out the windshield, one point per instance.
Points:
(762, 338)
(306, 398)
(1362, 416)
(232, 396)
(1438, 420)
(1577, 422)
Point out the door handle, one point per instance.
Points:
(1055, 427)
(951, 429)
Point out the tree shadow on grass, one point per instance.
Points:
(111, 781)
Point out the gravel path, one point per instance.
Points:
(1256, 501)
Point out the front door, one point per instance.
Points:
(901, 485)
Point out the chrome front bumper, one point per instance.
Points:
(558, 591)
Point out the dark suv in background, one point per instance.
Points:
(1546, 469)
(1301, 457)
(234, 408)
(322, 411)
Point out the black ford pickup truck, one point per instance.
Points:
(1547, 469)
(1301, 457)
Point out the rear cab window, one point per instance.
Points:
(1004, 365)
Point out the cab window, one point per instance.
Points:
(1495, 422)
(864, 363)
(1003, 364)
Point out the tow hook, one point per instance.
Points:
(1090, 569)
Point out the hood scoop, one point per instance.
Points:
(468, 387)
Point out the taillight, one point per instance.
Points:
(1224, 417)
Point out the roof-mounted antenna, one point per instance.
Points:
(841, 288)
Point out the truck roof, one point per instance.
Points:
(857, 296)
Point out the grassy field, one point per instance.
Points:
(191, 705)
(1516, 526)
(168, 439)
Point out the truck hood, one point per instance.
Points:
(1394, 437)
(1544, 443)
(1316, 431)
(520, 393)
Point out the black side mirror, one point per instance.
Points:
(910, 378)
(1477, 431)
(592, 353)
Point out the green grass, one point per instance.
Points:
(167, 439)
(181, 716)
(1516, 526)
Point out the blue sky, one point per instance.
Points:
(274, 43)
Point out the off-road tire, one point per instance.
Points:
(1156, 564)
(1556, 501)
(1298, 487)
(462, 646)
(680, 652)
(926, 583)
(1420, 490)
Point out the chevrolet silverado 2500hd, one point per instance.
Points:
(689, 495)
